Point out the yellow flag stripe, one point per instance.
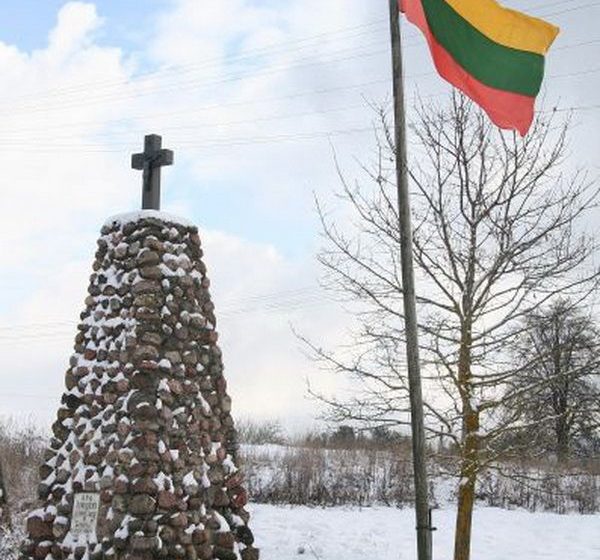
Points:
(505, 26)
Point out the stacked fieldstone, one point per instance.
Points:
(145, 420)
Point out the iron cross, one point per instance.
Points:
(150, 161)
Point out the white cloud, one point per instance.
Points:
(258, 296)
(207, 30)
(234, 74)
(64, 189)
(73, 32)
(54, 186)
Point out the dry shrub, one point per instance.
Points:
(318, 472)
(259, 433)
(325, 477)
(364, 477)
(21, 450)
(10, 541)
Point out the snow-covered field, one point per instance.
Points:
(380, 533)
(383, 533)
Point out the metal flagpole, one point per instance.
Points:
(408, 291)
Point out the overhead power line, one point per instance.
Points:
(240, 140)
(199, 109)
(198, 82)
(210, 107)
(574, 45)
(221, 142)
(337, 34)
(225, 142)
(287, 46)
(5, 395)
(531, 9)
(573, 9)
(227, 306)
(576, 108)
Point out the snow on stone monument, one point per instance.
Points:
(143, 462)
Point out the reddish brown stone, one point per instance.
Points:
(148, 365)
(142, 504)
(106, 496)
(41, 551)
(234, 480)
(167, 500)
(179, 520)
(250, 553)
(244, 535)
(39, 529)
(146, 287)
(122, 386)
(240, 497)
(121, 486)
(205, 552)
(243, 514)
(45, 471)
(95, 458)
(144, 485)
(136, 469)
(220, 498)
(143, 543)
(200, 536)
(225, 540)
(224, 553)
(175, 386)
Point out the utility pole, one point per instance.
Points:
(422, 511)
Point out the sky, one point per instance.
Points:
(255, 98)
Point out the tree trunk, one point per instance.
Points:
(470, 441)
(560, 394)
(562, 440)
(464, 518)
(466, 489)
(5, 519)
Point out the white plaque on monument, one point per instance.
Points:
(85, 515)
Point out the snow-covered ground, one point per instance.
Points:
(294, 533)
(383, 533)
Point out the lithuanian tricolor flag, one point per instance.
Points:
(492, 54)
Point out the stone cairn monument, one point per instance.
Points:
(143, 464)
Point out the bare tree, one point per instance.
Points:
(499, 232)
(558, 350)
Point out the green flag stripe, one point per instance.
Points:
(493, 64)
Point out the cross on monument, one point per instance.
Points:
(150, 161)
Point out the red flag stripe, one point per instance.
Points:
(505, 109)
